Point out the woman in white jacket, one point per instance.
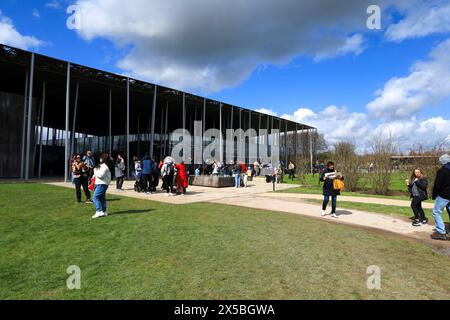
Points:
(102, 180)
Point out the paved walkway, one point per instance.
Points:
(389, 202)
(260, 196)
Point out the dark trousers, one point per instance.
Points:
(82, 182)
(119, 182)
(326, 199)
(155, 182)
(168, 182)
(90, 173)
(291, 174)
(146, 180)
(416, 206)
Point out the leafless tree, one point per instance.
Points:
(383, 148)
(347, 162)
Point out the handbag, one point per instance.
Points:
(92, 184)
(338, 184)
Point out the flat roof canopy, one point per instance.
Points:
(94, 87)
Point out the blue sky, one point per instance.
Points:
(333, 91)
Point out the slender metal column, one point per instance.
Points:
(42, 128)
(128, 128)
(296, 143)
(259, 137)
(72, 134)
(166, 132)
(221, 133)
(184, 121)
(161, 131)
(152, 138)
(203, 128)
(231, 118)
(286, 143)
(24, 127)
(37, 128)
(30, 113)
(66, 146)
(240, 119)
(273, 140)
(110, 122)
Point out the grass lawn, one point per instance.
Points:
(148, 250)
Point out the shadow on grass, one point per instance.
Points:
(113, 199)
(131, 212)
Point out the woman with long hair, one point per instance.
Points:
(102, 176)
(417, 187)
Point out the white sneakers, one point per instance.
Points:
(99, 214)
(334, 215)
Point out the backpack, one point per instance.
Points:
(169, 169)
(338, 184)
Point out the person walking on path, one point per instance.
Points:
(167, 173)
(441, 195)
(80, 178)
(119, 172)
(102, 176)
(237, 175)
(291, 169)
(89, 161)
(182, 178)
(327, 177)
(417, 187)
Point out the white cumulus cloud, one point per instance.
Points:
(11, 37)
(427, 85)
(422, 19)
(215, 44)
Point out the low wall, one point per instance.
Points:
(211, 181)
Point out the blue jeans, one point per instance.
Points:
(439, 205)
(100, 197)
(237, 180)
(326, 199)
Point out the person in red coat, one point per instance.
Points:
(182, 178)
(243, 167)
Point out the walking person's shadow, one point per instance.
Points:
(131, 212)
(343, 213)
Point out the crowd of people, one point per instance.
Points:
(89, 175)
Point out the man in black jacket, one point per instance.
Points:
(441, 195)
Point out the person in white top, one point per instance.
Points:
(102, 177)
